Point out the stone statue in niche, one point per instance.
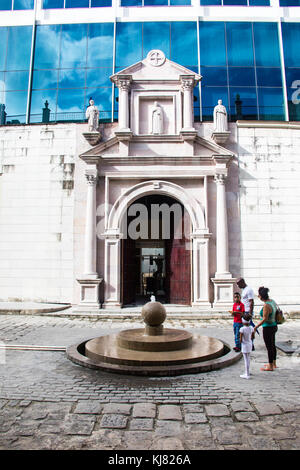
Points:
(92, 115)
(220, 118)
(156, 119)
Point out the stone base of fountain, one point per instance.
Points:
(153, 350)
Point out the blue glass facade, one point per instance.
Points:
(72, 62)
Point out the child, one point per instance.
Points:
(246, 336)
(237, 310)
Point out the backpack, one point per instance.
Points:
(279, 318)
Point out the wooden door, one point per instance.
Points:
(130, 271)
(178, 270)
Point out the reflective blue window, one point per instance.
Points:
(70, 105)
(77, 4)
(184, 52)
(47, 43)
(15, 106)
(102, 97)
(289, 3)
(73, 45)
(234, 2)
(44, 79)
(266, 44)
(243, 103)
(268, 76)
(292, 76)
(71, 78)
(18, 48)
(38, 99)
(244, 76)
(3, 35)
(180, 2)
(100, 3)
(271, 105)
(48, 4)
(210, 2)
(98, 77)
(259, 3)
(128, 44)
(291, 41)
(5, 4)
(23, 4)
(212, 33)
(16, 80)
(156, 36)
(100, 45)
(239, 44)
(216, 76)
(131, 3)
(155, 2)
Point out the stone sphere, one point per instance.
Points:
(154, 313)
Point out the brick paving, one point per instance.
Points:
(48, 402)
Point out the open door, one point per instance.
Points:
(130, 271)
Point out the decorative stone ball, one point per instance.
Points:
(154, 313)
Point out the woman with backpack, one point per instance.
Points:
(269, 324)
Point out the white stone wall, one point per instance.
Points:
(269, 173)
(36, 212)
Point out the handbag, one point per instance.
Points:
(279, 317)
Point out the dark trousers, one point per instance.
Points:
(269, 339)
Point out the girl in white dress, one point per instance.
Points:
(246, 336)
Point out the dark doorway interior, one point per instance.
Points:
(160, 265)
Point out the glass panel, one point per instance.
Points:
(155, 2)
(73, 45)
(243, 103)
(214, 76)
(210, 2)
(269, 76)
(212, 33)
(156, 36)
(1, 83)
(259, 3)
(71, 78)
(239, 44)
(98, 77)
(196, 98)
(45, 79)
(128, 44)
(291, 41)
(53, 4)
(70, 105)
(210, 97)
(16, 80)
(271, 105)
(266, 44)
(77, 4)
(47, 47)
(102, 98)
(185, 51)
(294, 97)
(18, 48)
(100, 3)
(289, 3)
(23, 4)
(292, 75)
(180, 2)
(3, 36)
(131, 3)
(38, 99)
(5, 4)
(100, 45)
(234, 2)
(241, 76)
(15, 102)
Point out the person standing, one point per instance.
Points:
(247, 298)
(246, 336)
(237, 310)
(268, 322)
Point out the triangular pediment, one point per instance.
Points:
(144, 71)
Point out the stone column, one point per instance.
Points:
(90, 225)
(200, 245)
(187, 88)
(123, 85)
(222, 228)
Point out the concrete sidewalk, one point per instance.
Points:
(48, 402)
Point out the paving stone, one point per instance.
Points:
(144, 410)
(195, 418)
(169, 412)
(117, 408)
(241, 406)
(137, 440)
(193, 408)
(217, 410)
(263, 443)
(114, 421)
(246, 416)
(75, 424)
(167, 428)
(169, 443)
(88, 407)
(267, 408)
(143, 424)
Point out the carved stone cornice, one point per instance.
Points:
(220, 178)
(91, 176)
(187, 83)
(123, 82)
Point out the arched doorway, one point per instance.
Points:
(156, 252)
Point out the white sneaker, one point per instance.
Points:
(244, 376)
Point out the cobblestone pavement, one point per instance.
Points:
(48, 402)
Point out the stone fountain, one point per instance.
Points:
(153, 350)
